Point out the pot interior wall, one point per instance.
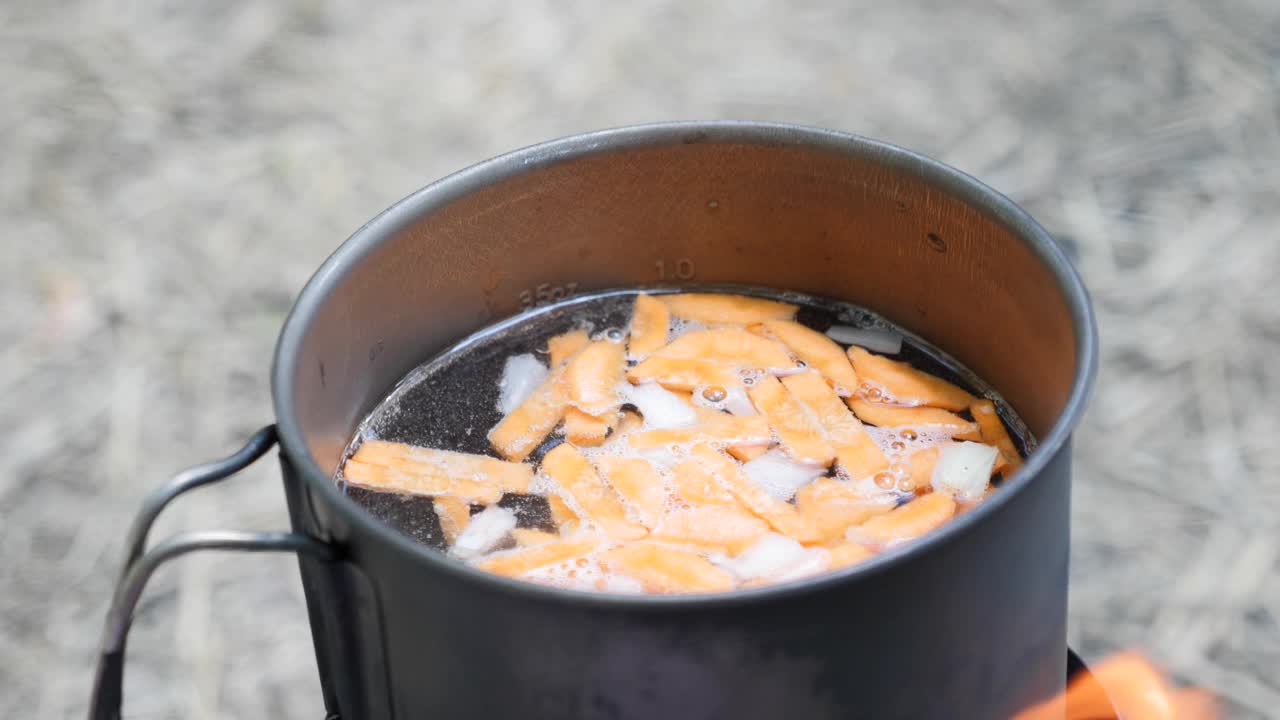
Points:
(818, 220)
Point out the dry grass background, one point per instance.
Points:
(171, 173)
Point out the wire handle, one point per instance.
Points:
(108, 684)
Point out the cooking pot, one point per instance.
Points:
(968, 622)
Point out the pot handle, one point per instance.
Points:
(106, 700)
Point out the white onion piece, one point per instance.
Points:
(520, 377)
(737, 402)
(485, 531)
(964, 469)
(779, 475)
(815, 560)
(771, 554)
(881, 341)
(661, 408)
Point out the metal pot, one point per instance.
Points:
(969, 622)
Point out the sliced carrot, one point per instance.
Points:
(856, 453)
(816, 349)
(508, 476)
(562, 347)
(683, 373)
(833, 506)
(848, 553)
(722, 309)
(591, 378)
(566, 520)
(588, 430)
(727, 528)
(394, 480)
(906, 384)
(994, 433)
(906, 522)
(723, 429)
(454, 514)
(528, 537)
(923, 417)
(567, 466)
(524, 428)
(527, 559)
(660, 568)
(694, 484)
(650, 322)
(798, 431)
(734, 347)
(781, 515)
(636, 480)
(747, 453)
(920, 468)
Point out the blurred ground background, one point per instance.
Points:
(171, 173)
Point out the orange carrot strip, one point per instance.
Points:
(695, 485)
(587, 430)
(650, 322)
(747, 453)
(726, 429)
(528, 537)
(722, 309)
(856, 453)
(524, 428)
(508, 476)
(905, 522)
(781, 515)
(638, 483)
(816, 349)
(727, 528)
(683, 373)
(833, 506)
(454, 515)
(994, 433)
(564, 517)
(931, 418)
(527, 559)
(591, 378)
(849, 553)
(666, 569)
(907, 384)
(562, 347)
(920, 468)
(567, 466)
(728, 346)
(386, 479)
(798, 432)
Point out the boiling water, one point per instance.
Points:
(451, 401)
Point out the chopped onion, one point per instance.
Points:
(520, 377)
(737, 402)
(485, 531)
(964, 469)
(771, 554)
(881, 341)
(814, 561)
(779, 475)
(661, 408)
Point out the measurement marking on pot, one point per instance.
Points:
(545, 294)
(679, 269)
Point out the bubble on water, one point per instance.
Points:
(715, 393)
(884, 481)
(898, 445)
(898, 469)
(909, 434)
(874, 394)
(906, 484)
(614, 334)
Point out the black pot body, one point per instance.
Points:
(968, 623)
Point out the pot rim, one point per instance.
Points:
(483, 174)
